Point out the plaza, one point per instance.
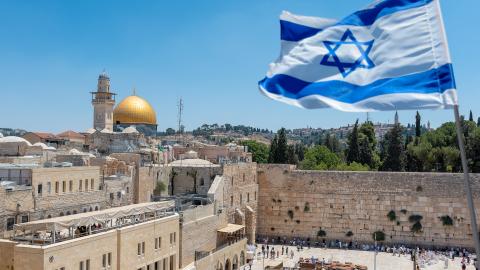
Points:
(385, 261)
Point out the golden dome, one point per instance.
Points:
(134, 110)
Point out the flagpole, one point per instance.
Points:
(466, 180)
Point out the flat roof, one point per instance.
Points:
(231, 228)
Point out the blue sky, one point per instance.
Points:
(211, 53)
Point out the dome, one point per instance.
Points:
(14, 139)
(134, 110)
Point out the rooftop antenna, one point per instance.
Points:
(179, 116)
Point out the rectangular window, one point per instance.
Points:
(156, 265)
(56, 187)
(86, 184)
(92, 184)
(174, 237)
(70, 186)
(139, 249)
(109, 261)
(248, 197)
(49, 188)
(104, 260)
(159, 242)
(10, 223)
(148, 267)
(231, 200)
(24, 218)
(156, 243)
(255, 195)
(39, 189)
(64, 186)
(143, 248)
(80, 185)
(87, 264)
(241, 199)
(171, 238)
(81, 266)
(172, 262)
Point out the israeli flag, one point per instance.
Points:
(393, 55)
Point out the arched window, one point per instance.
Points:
(49, 216)
(61, 214)
(96, 208)
(91, 209)
(68, 213)
(202, 182)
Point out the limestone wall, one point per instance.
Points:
(193, 179)
(300, 203)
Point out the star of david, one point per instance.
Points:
(345, 68)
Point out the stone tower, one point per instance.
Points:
(103, 101)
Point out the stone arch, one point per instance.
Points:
(219, 266)
(228, 265)
(242, 258)
(68, 213)
(235, 262)
(96, 208)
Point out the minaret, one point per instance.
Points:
(396, 118)
(103, 101)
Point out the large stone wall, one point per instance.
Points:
(300, 203)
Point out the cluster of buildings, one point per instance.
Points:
(151, 206)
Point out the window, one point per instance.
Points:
(243, 177)
(10, 222)
(128, 190)
(92, 184)
(86, 184)
(80, 185)
(141, 248)
(56, 187)
(119, 195)
(157, 265)
(255, 195)
(24, 218)
(202, 182)
(49, 188)
(112, 196)
(231, 200)
(158, 242)
(248, 197)
(240, 198)
(64, 186)
(82, 267)
(173, 237)
(39, 189)
(107, 260)
(87, 264)
(70, 186)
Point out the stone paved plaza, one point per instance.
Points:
(385, 261)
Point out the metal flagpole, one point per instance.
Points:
(466, 179)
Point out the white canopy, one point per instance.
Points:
(85, 219)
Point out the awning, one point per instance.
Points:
(231, 228)
(88, 218)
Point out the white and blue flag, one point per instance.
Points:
(393, 55)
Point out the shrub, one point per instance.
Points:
(416, 227)
(296, 207)
(321, 233)
(159, 188)
(391, 215)
(378, 236)
(306, 208)
(349, 234)
(398, 223)
(446, 220)
(415, 218)
(290, 214)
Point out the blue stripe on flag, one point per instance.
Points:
(295, 32)
(431, 81)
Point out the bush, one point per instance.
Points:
(159, 188)
(296, 207)
(415, 218)
(306, 208)
(290, 214)
(446, 220)
(416, 227)
(391, 215)
(321, 233)
(349, 234)
(378, 236)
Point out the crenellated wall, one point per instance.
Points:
(300, 203)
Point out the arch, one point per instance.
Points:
(91, 209)
(61, 214)
(242, 258)
(228, 265)
(235, 262)
(49, 216)
(218, 266)
(74, 212)
(68, 213)
(96, 208)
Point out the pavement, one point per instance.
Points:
(385, 261)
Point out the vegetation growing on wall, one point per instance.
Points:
(391, 215)
(446, 220)
(378, 236)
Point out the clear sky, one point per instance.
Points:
(211, 53)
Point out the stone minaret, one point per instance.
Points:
(103, 101)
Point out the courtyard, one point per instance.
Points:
(385, 261)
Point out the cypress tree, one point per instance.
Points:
(478, 122)
(281, 153)
(353, 146)
(365, 151)
(470, 118)
(418, 128)
(273, 150)
(395, 151)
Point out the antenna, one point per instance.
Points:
(179, 116)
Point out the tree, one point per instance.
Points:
(259, 150)
(300, 151)
(332, 143)
(320, 158)
(273, 149)
(170, 131)
(367, 145)
(159, 188)
(394, 151)
(365, 152)
(470, 118)
(281, 153)
(291, 155)
(418, 127)
(353, 153)
(473, 150)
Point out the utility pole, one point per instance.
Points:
(179, 117)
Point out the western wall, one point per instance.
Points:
(351, 206)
